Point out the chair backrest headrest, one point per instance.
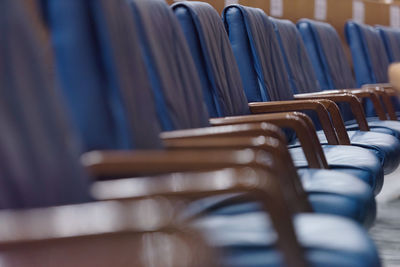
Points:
(301, 73)
(327, 55)
(215, 62)
(391, 39)
(103, 79)
(39, 152)
(257, 53)
(368, 52)
(173, 75)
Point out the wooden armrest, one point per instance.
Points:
(363, 93)
(239, 130)
(299, 105)
(352, 100)
(121, 164)
(294, 120)
(150, 215)
(385, 93)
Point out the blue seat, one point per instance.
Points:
(218, 75)
(303, 80)
(391, 39)
(39, 151)
(252, 244)
(170, 70)
(254, 44)
(333, 70)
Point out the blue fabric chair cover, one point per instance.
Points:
(244, 28)
(370, 60)
(327, 56)
(368, 53)
(107, 113)
(38, 149)
(391, 39)
(303, 80)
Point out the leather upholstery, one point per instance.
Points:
(97, 103)
(331, 64)
(391, 39)
(327, 54)
(339, 157)
(39, 152)
(236, 20)
(186, 12)
(329, 192)
(327, 240)
(303, 80)
(370, 60)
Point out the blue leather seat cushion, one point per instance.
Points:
(385, 146)
(249, 240)
(376, 125)
(354, 160)
(329, 192)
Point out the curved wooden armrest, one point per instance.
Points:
(369, 93)
(373, 95)
(40, 229)
(299, 105)
(385, 93)
(293, 120)
(238, 130)
(121, 164)
(352, 100)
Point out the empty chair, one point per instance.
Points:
(201, 39)
(332, 68)
(303, 80)
(391, 39)
(264, 79)
(370, 60)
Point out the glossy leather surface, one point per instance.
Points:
(385, 146)
(329, 59)
(248, 240)
(39, 149)
(243, 25)
(329, 192)
(391, 39)
(360, 162)
(298, 65)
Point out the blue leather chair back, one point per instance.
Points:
(369, 57)
(173, 76)
(327, 55)
(106, 89)
(391, 39)
(257, 53)
(368, 52)
(215, 62)
(301, 73)
(38, 150)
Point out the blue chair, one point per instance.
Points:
(39, 152)
(303, 80)
(331, 66)
(206, 37)
(245, 44)
(225, 75)
(391, 39)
